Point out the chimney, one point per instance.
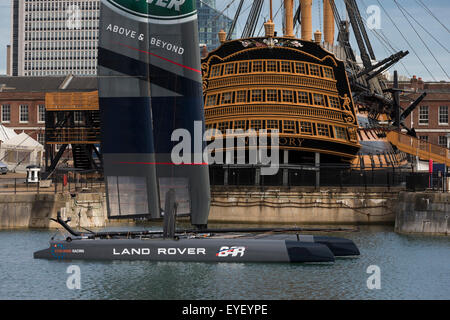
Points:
(204, 51)
(289, 11)
(306, 7)
(328, 22)
(420, 84)
(413, 83)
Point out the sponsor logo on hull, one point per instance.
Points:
(159, 251)
(59, 251)
(233, 251)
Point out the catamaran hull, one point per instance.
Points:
(189, 250)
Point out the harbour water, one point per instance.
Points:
(412, 267)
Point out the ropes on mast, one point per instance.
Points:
(412, 26)
(431, 13)
(424, 29)
(406, 40)
(385, 42)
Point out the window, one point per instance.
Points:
(271, 66)
(23, 117)
(303, 97)
(318, 99)
(423, 115)
(300, 68)
(272, 95)
(272, 124)
(241, 96)
(334, 102)
(41, 138)
(257, 95)
(257, 66)
(314, 70)
(443, 141)
(78, 117)
(328, 73)
(423, 138)
(288, 96)
(256, 124)
(41, 113)
(211, 100)
(443, 115)
(305, 127)
(229, 68)
(285, 66)
(239, 124)
(223, 126)
(6, 113)
(215, 71)
(226, 97)
(341, 133)
(211, 126)
(323, 130)
(243, 67)
(289, 126)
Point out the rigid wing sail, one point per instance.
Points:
(149, 86)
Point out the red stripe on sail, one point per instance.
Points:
(165, 59)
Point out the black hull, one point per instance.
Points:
(201, 250)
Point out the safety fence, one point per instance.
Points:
(329, 176)
(70, 182)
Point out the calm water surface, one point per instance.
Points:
(412, 267)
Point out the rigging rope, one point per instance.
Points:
(384, 40)
(415, 20)
(412, 26)
(406, 40)
(275, 15)
(431, 13)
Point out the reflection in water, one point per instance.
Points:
(412, 267)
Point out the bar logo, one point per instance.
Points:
(233, 251)
(160, 10)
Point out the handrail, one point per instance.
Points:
(423, 149)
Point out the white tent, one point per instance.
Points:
(21, 151)
(6, 133)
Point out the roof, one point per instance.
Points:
(22, 140)
(6, 133)
(48, 83)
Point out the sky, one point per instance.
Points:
(431, 60)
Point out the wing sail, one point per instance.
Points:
(149, 86)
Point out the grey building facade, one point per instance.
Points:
(54, 37)
(60, 37)
(210, 22)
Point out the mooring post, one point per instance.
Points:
(285, 170)
(317, 166)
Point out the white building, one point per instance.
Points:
(54, 37)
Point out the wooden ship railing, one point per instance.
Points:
(423, 149)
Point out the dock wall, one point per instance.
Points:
(423, 212)
(29, 210)
(303, 205)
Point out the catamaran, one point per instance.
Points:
(150, 84)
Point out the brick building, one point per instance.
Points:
(430, 119)
(22, 100)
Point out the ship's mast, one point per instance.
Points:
(289, 14)
(306, 19)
